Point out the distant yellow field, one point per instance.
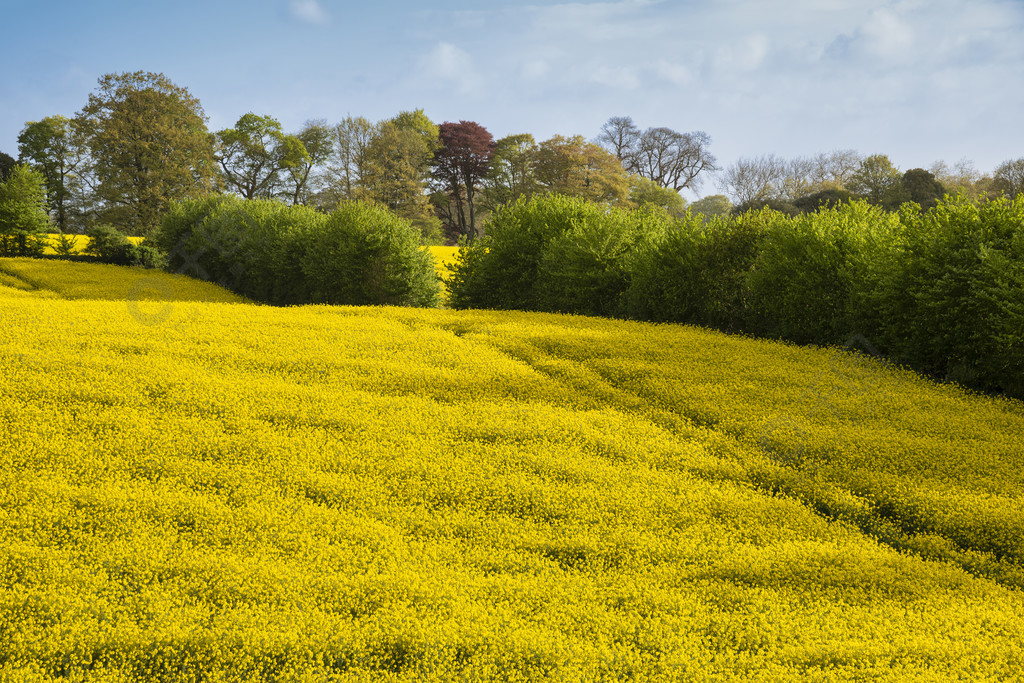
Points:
(81, 242)
(248, 493)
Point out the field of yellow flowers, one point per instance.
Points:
(215, 491)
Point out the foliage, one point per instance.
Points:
(814, 273)
(644, 193)
(278, 254)
(874, 178)
(462, 161)
(823, 199)
(149, 146)
(503, 269)
(952, 306)
(576, 168)
(242, 493)
(7, 164)
(697, 273)
(397, 168)
(366, 255)
(778, 205)
(55, 148)
(110, 245)
(252, 247)
(24, 222)
(254, 154)
(711, 206)
(916, 185)
(513, 172)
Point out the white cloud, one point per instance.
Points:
(615, 77)
(887, 35)
(309, 11)
(450, 64)
(677, 74)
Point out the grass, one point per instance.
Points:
(235, 493)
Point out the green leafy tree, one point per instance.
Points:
(916, 185)
(513, 172)
(874, 177)
(715, 205)
(254, 153)
(148, 145)
(576, 168)
(24, 221)
(55, 148)
(347, 162)
(397, 168)
(7, 164)
(317, 139)
(645, 193)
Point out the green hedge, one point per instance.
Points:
(941, 291)
(284, 255)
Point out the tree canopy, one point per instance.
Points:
(55, 148)
(148, 145)
(460, 164)
(23, 217)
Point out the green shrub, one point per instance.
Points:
(954, 306)
(814, 274)
(109, 245)
(555, 253)
(364, 254)
(249, 247)
(697, 273)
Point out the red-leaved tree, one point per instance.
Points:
(458, 168)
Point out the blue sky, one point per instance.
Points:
(919, 80)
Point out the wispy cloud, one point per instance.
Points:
(309, 11)
(450, 65)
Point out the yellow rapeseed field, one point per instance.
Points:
(197, 491)
(80, 242)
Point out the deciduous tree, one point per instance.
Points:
(459, 166)
(670, 158)
(23, 217)
(1009, 178)
(755, 179)
(577, 168)
(513, 172)
(55, 148)
(254, 154)
(7, 164)
(317, 139)
(398, 167)
(349, 160)
(873, 178)
(148, 145)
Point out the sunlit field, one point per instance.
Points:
(216, 491)
(79, 243)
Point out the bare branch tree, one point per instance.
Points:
(753, 179)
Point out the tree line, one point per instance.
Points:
(141, 142)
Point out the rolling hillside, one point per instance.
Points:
(202, 490)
